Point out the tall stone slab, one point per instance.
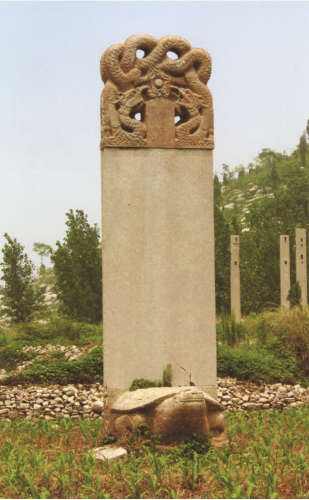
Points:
(235, 278)
(285, 280)
(301, 264)
(157, 214)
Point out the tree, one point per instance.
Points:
(19, 296)
(78, 270)
(303, 148)
(42, 250)
(274, 176)
(217, 189)
(226, 171)
(294, 295)
(222, 261)
(307, 129)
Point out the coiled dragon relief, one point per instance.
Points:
(132, 82)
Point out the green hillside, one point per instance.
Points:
(259, 202)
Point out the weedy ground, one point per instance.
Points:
(268, 457)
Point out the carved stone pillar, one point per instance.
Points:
(235, 278)
(285, 280)
(157, 214)
(301, 263)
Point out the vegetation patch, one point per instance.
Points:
(142, 383)
(87, 370)
(265, 347)
(267, 457)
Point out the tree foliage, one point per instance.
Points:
(259, 225)
(19, 296)
(78, 270)
(222, 261)
(42, 250)
(303, 148)
(217, 189)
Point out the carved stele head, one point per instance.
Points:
(144, 97)
(174, 412)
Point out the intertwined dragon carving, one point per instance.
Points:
(130, 82)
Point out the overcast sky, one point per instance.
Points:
(50, 89)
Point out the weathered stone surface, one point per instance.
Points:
(13, 414)
(109, 453)
(158, 259)
(285, 281)
(173, 412)
(97, 406)
(156, 85)
(301, 263)
(235, 277)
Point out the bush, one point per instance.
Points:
(257, 364)
(191, 445)
(58, 331)
(276, 348)
(142, 383)
(229, 330)
(11, 355)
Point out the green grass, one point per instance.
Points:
(267, 457)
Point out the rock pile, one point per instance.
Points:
(233, 394)
(55, 402)
(52, 402)
(72, 353)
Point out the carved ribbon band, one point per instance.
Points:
(156, 101)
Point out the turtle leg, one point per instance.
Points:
(126, 423)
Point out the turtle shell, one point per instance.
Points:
(143, 398)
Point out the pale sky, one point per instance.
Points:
(50, 90)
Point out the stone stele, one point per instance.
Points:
(172, 412)
(157, 219)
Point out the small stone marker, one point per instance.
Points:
(109, 453)
(285, 281)
(235, 278)
(301, 264)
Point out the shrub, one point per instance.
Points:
(167, 376)
(58, 331)
(191, 445)
(276, 348)
(141, 383)
(254, 363)
(229, 331)
(294, 295)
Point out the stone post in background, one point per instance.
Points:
(157, 214)
(235, 278)
(301, 263)
(285, 282)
